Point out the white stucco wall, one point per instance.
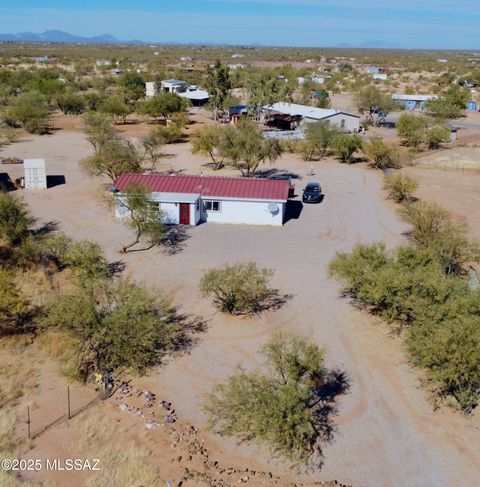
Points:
(232, 211)
(246, 212)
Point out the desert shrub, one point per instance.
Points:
(116, 108)
(285, 408)
(411, 129)
(433, 228)
(236, 289)
(15, 308)
(14, 219)
(118, 325)
(86, 260)
(345, 145)
(400, 187)
(381, 154)
(71, 103)
(435, 135)
(416, 288)
(320, 137)
(172, 134)
(30, 111)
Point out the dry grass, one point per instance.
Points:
(122, 463)
(63, 347)
(15, 381)
(36, 286)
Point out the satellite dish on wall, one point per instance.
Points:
(273, 208)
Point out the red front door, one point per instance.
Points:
(184, 214)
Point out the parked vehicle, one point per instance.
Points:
(312, 193)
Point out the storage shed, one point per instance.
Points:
(35, 174)
(189, 200)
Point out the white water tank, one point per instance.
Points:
(35, 174)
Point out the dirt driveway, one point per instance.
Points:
(388, 434)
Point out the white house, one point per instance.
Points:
(151, 88)
(174, 86)
(343, 120)
(35, 174)
(189, 200)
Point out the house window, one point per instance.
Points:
(342, 123)
(213, 206)
(198, 205)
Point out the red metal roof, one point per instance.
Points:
(211, 186)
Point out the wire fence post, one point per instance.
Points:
(68, 402)
(28, 422)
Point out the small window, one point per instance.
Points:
(212, 206)
(198, 205)
(342, 123)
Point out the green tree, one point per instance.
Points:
(163, 105)
(381, 154)
(116, 108)
(436, 135)
(237, 289)
(98, 129)
(152, 148)
(86, 260)
(246, 148)
(218, 86)
(371, 100)
(286, 409)
(345, 145)
(266, 89)
(119, 325)
(210, 141)
(14, 219)
(30, 111)
(400, 187)
(433, 228)
(412, 129)
(320, 136)
(143, 216)
(450, 352)
(114, 157)
(71, 103)
(133, 88)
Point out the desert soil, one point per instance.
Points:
(388, 433)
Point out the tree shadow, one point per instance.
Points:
(188, 329)
(46, 228)
(272, 300)
(275, 173)
(174, 238)
(324, 407)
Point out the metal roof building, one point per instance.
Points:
(191, 199)
(343, 120)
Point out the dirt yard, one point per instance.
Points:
(387, 432)
(457, 191)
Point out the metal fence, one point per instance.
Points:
(70, 413)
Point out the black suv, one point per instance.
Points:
(312, 193)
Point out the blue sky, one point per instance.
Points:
(408, 23)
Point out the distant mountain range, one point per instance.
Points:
(64, 37)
